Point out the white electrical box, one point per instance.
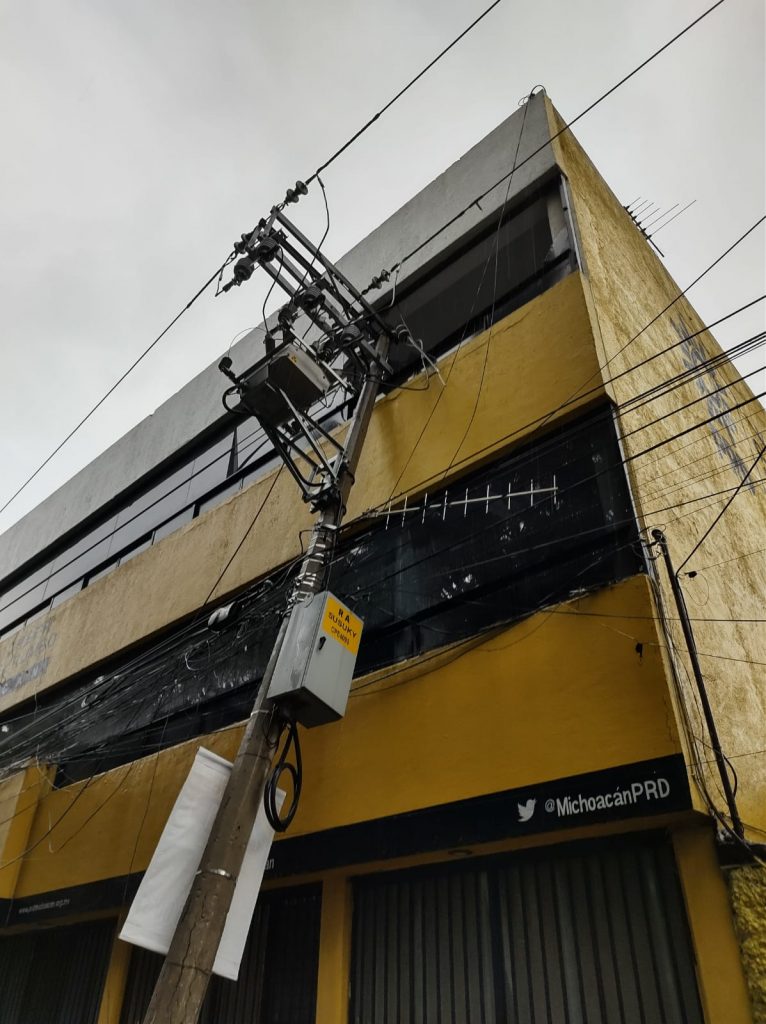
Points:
(313, 674)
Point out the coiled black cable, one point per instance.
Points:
(280, 823)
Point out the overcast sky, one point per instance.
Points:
(140, 137)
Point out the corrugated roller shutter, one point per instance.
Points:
(277, 979)
(582, 935)
(55, 976)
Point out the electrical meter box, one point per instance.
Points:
(313, 674)
(289, 372)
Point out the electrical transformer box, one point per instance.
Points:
(315, 666)
(290, 375)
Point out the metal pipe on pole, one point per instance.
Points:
(183, 981)
(707, 710)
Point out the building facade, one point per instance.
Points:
(520, 816)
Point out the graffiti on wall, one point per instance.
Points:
(28, 655)
(722, 427)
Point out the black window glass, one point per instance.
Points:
(472, 288)
(550, 520)
(483, 283)
(523, 533)
(27, 594)
(211, 467)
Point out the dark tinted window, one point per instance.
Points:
(550, 520)
(475, 286)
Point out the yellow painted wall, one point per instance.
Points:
(477, 724)
(627, 286)
(719, 967)
(20, 796)
(747, 888)
(502, 380)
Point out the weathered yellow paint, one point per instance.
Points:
(109, 825)
(747, 889)
(719, 967)
(556, 695)
(116, 980)
(626, 287)
(20, 795)
(497, 386)
(561, 693)
(334, 951)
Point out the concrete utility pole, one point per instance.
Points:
(183, 981)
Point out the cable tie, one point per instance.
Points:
(218, 871)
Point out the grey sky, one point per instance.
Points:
(140, 138)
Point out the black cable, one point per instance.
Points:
(735, 558)
(695, 401)
(695, 426)
(281, 766)
(694, 372)
(245, 535)
(119, 381)
(723, 511)
(628, 406)
(401, 93)
(539, 421)
(480, 388)
(553, 137)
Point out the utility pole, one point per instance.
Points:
(182, 984)
(707, 710)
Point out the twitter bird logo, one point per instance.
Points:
(526, 810)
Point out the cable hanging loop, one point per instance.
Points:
(278, 821)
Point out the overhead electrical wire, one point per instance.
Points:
(539, 421)
(552, 442)
(628, 405)
(734, 558)
(120, 675)
(576, 396)
(229, 258)
(399, 94)
(116, 384)
(553, 137)
(687, 405)
(505, 520)
(723, 511)
(322, 167)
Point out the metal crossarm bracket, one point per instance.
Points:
(286, 389)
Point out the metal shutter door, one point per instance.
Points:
(278, 976)
(580, 935)
(56, 975)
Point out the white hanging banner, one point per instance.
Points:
(161, 896)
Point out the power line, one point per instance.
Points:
(539, 421)
(116, 384)
(696, 426)
(401, 93)
(734, 558)
(219, 270)
(688, 405)
(723, 511)
(629, 405)
(553, 137)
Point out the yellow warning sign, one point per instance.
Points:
(341, 624)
